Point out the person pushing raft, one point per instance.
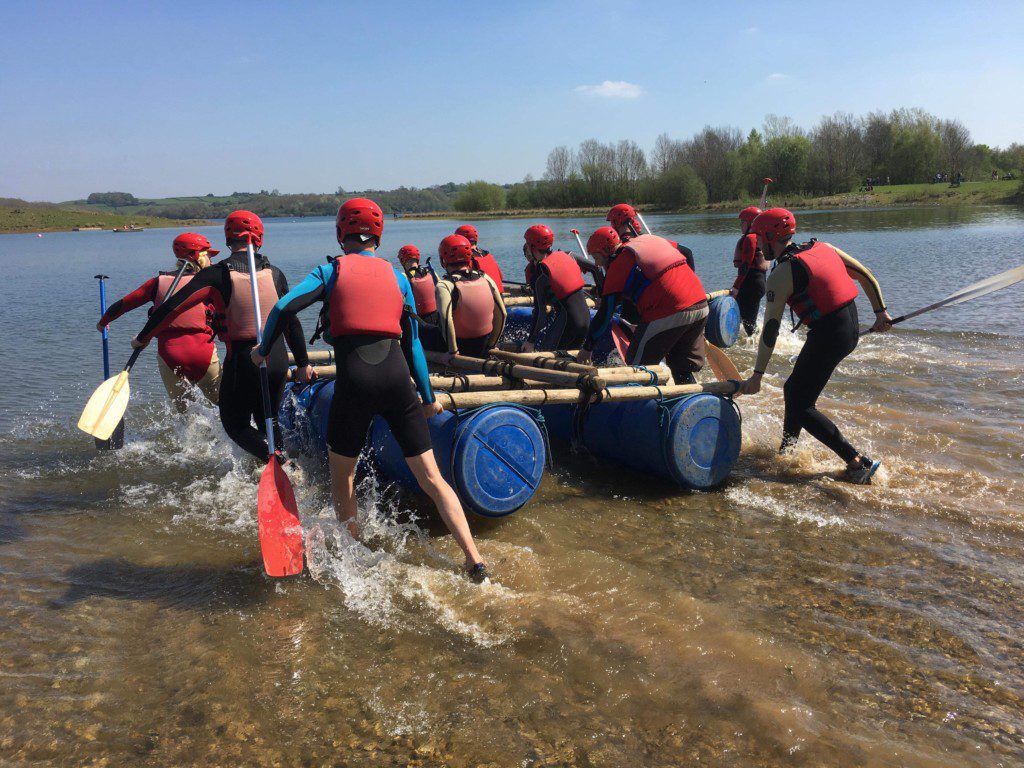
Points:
(471, 312)
(423, 282)
(226, 286)
(483, 260)
(186, 353)
(817, 281)
(556, 279)
(654, 276)
(367, 305)
(751, 271)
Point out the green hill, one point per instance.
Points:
(21, 216)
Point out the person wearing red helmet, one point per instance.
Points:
(751, 271)
(651, 274)
(483, 260)
(816, 280)
(186, 354)
(557, 281)
(423, 282)
(627, 225)
(368, 312)
(227, 288)
(471, 312)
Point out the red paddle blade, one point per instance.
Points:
(280, 528)
(620, 337)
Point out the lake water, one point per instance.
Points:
(785, 618)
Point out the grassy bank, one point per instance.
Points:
(968, 193)
(20, 216)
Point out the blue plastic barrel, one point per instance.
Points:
(494, 456)
(723, 326)
(694, 440)
(517, 328)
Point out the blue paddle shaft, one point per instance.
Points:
(106, 339)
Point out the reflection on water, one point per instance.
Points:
(784, 619)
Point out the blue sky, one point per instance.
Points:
(163, 98)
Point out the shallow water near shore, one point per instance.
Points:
(785, 618)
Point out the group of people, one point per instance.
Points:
(378, 318)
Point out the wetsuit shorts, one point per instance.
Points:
(373, 380)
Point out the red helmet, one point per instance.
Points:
(603, 242)
(748, 214)
(540, 236)
(774, 224)
(189, 245)
(469, 232)
(622, 214)
(242, 225)
(455, 250)
(408, 253)
(359, 216)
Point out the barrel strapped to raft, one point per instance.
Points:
(723, 325)
(697, 445)
(493, 459)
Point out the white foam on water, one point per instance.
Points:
(746, 497)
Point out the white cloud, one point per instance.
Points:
(751, 31)
(611, 89)
(776, 76)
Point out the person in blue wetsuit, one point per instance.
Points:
(368, 308)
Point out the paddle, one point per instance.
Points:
(103, 415)
(764, 191)
(721, 364)
(975, 291)
(277, 514)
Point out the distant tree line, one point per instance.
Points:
(840, 154)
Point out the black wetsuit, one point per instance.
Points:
(568, 329)
(241, 398)
(830, 339)
(373, 379)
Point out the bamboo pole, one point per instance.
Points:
(527, 301)
(316, 356)
(539, 397)
(513, 370)
(483, 382)
(543, 360)
(717, 294)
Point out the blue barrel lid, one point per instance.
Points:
(498, 459)
(703, 440)
(723, 326)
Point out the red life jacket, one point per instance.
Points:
(423, 290)
(239, 324)
(566, 276)
(484, 262)
(365, 298)
(747, 252)
(829, 286)
(661, 282)
(192, 320)
(655, 255)
(474, 310)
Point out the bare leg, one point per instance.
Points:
(343, 495)
(427, 474)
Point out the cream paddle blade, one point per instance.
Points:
(105, 408)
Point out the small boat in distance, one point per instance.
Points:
(128, 228)
(90, 228)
